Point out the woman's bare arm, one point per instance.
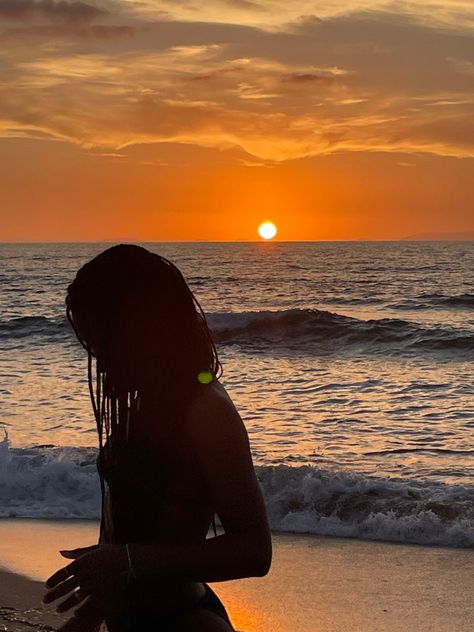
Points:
(220, 441)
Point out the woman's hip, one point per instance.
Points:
(207, 613)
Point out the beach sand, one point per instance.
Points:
(316, 584)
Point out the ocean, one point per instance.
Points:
(350, 363)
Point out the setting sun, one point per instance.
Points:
(267, 230)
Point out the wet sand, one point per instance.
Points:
(20, 605)
(316, 584)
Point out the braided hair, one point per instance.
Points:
(133, 312)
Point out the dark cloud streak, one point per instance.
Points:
(245, 4)
(308, 77)
(56, 10)
(80, 31)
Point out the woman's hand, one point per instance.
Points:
(98, 572)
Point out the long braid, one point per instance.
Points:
(96, 408)
(112, 415)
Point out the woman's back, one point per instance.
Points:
(154, 485)
(155, 492)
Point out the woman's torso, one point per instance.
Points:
(155, 492)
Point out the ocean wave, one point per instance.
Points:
(48, 482)
(25, 326)
(309, 330)
(430, 301)
(430, 450)
(459, 300)
(352, 300)
(62, 482)
(315, 501)
(313, 329)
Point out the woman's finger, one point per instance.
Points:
(73, 553)
(61, 575)
(73, 600)
(89, 610)
(60, 590)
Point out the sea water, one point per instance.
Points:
(350, 363)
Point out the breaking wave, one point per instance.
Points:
(310, 500)
(62, 482)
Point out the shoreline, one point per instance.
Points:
(21, 609)
(316, 584)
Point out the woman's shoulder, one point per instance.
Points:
(210, 398)
(212, 409)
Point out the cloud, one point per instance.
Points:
(344, 84)
(113, 123)
(49, 19)
(71, 29)
(463, 66)
(308, 77)
(279, 15)
(55, 10)
(245, 4)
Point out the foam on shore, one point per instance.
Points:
(62, 482)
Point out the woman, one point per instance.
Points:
(173, 452)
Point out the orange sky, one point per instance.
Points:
(160, 120)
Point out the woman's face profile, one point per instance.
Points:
(124, 332)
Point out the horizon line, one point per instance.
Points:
(233, 241)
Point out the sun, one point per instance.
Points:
(267, 230)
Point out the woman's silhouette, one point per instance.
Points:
(173, 452)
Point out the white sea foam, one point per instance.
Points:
(55, 482)
(48, 482)
(324, 502)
